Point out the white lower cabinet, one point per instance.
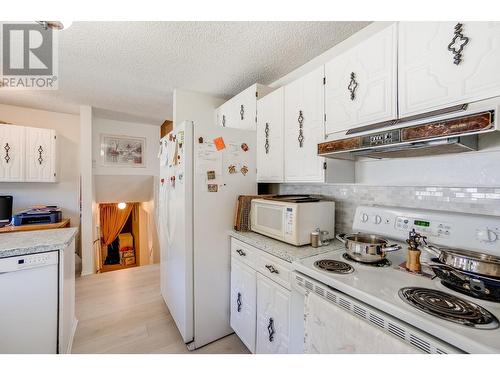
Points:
(260, 306)
(243, 302)
(273, 317)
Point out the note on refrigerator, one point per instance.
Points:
(208, 158)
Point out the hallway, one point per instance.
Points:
(123, 312)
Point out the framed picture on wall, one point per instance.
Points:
(123, 151)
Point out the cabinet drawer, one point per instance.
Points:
(276, 269)
(243, 252)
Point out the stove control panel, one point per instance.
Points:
(449, 229)
(423, 226)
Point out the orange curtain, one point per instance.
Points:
(113, 220)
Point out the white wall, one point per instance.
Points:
(194, 106)
(65, 193)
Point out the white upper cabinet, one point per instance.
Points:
(304, 128)
(240, 112)
(11, 153)
(361, 83)
(40, 155)
(270, 127)
(442, 64)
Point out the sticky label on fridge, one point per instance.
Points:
(219, 143)
(213, 188)
(210, 175)
(232, 169)
(244, 170)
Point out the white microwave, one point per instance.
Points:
(292, 222)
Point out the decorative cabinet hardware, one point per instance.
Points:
(353, 85)
(457, 44)
(40, 159)
(271, 268)
(270, 329)
(238, 302)
(242, 112)
(300, 119)
(266, 131)
(241, 253)
(7, 149)
(223, 120)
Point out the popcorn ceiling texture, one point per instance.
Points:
(133, 67)
(484, 201)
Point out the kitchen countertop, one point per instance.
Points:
(22, 243)
(283, 250)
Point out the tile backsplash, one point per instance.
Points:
(480, 200)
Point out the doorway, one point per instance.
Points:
(120, 236)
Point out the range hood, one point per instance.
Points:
(426, 135)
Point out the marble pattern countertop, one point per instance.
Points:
(38, 241)
(283, 250)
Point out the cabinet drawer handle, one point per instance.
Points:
(300, 119)
(223, 120)
(272, 269)
(457, 44)
(238, 302)
(7, 149)
(40, 159)
(353, 85)
(241, 253)
(266, 132)
(242, 112)
(270, 329)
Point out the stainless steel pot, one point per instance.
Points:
(468, 261)
(367, 248)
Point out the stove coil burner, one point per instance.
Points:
(334, 266)
(381, 263)
(449, 307)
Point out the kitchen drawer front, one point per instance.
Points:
(276, 269)
(243, 252)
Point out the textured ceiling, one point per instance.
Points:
(129, 69)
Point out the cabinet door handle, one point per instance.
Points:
(271, 268)
(238, 302)
(7, 149)
(40, 159)
(241, 253)
(223, 120)
(300, 119)
(458, 42)
(266, 132)
(242, 112)
(270, 329)
(353, 85)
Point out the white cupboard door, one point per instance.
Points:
(270, 137)
(273, 317)
(361, 84)
(304, 128)
(223, 114)
(243, 303)
(434, 75)
(11, 153)
(244, 109)
(40, 155)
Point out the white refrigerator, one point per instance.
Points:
(203, 169)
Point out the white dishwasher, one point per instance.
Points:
(29, 288)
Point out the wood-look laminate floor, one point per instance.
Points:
(123, 312)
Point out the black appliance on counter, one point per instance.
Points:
(45, 215)
(5, 209)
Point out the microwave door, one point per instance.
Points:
(269, 220)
